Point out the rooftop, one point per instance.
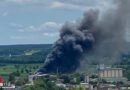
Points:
(115, 79)
(112, 69)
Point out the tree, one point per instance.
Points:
(22, 70)
(27, 71)
(20, 82)
(66, 78)
(17, 66)
(17, 73)
(11, 78)
(80, 87)
(40, 84)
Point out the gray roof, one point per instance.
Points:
(115, 79)
(112, 69)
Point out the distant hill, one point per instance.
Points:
(37, 53)
(26, 46)
(31, 53)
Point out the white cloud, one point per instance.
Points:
(17, 37)
(31, 28)
(15, 25)
(23, 1)
(83, 7)
(51, 34)
(42, 27)
(51, 24)
(45, 27)
(64, 5)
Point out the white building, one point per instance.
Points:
(111, 73)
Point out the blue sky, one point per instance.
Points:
(39, 21)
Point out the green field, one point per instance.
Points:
(24, 54)
(23, 69)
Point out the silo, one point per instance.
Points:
(120, 73)
(117, 73)
(105, 73)
(113, 73)
(109, 73)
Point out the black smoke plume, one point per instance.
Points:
(94, 37)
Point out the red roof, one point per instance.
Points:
(0, 80)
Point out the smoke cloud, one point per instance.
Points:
(95, 38)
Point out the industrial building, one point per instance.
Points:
(111, 74)
(108, 87)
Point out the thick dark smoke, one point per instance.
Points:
(91, 39)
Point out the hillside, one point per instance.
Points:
(33, 53)
(36, 53)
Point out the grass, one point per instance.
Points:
(31, 52)
(6, 69)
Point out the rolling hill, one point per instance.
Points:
(32, 53)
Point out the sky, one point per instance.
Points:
(39, 21)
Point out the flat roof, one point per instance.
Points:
(111, 69)
(115, 79)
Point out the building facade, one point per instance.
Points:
(111, 73)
